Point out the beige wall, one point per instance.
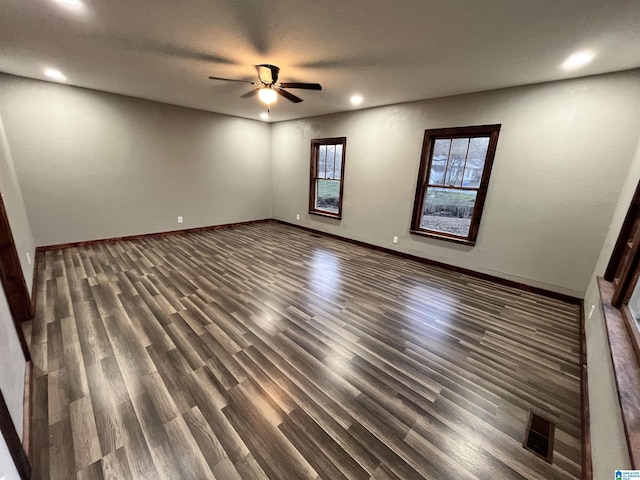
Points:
(563, 154)
(95, 165)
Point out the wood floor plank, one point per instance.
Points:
(205, 438)
(57, 396)
(115, 465)
(189, 456)
(85, 436)
(140, 462)
(62, 450)
(248, 468)
(92, 472)
(104, 403)
(311, 439)
(40, 424)
(263, 352)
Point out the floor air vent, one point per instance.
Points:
(539, 437)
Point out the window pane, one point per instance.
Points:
(448, 210)
(338, 161)
(475, 162)
(322, 161)
(331, 151)
(327, 195)
(455, 168)
(439, 161)
(634, 303)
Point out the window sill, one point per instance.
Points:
(337, 216)
(622, 343)
(447, 238)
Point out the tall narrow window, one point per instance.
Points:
(620, 294)
(327, 176)
(452, 182)
(623, 270)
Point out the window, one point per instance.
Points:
(620, 294)
(452, 182)
(327, 176)
(623, 270)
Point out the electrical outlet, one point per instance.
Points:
(591, 311)
(395, 240)
(297, 216)
(28, 258)
(179, 219)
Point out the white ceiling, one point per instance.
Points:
(388, 51)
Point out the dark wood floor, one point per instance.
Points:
(266, 352)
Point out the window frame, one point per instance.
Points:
(624, 265)
(426, 159)
(313, 178)
(616, 287)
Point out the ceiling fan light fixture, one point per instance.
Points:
(269, 90)
(267, 95)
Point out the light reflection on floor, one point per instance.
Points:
(431, 316)
(325, 282)
(325, 274)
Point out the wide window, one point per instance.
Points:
(327, 176)
(452, 182)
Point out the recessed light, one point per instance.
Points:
(264, 116)
(72, 4)
(55, 74)
(356, 100)
(577, 60)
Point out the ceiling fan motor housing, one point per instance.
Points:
(268, 74)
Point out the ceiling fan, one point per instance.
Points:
(268, 86)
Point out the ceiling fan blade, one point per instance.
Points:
(305, 86)
(288, 96)
(232, 80)
(250, 94)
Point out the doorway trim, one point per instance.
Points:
(12, 279)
